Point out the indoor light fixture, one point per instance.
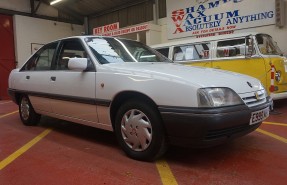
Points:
(54, 2)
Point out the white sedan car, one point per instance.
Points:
(126, 87)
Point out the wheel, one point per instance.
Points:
(27, 114)
(139, 131)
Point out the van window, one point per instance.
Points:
(267, 45)
(191, 52)
(231, 48)
(163, 51)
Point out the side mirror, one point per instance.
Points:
(78, 64)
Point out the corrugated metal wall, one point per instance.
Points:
(128, 16)
(162, 8)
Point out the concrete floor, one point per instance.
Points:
(60, 152)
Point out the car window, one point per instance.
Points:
(231, 48)
(191, 52)
(42, 59)
(70, 49)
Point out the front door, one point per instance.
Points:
(74, 91)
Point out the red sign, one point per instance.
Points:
(124, 31)
(106, 28)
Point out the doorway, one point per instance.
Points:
(7, 53)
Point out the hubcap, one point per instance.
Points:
(25, 108)
(136, 130)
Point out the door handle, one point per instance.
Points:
(53, 78)
(27, 77)
(217, 67)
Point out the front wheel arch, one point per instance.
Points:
(139, 130)
(123, 97)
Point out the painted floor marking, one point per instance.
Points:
(279, 124)
(5, 102)
(2, 116)
(165, 173)
(23, 149)
(272, 135)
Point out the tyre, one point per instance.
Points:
(27, 114)
(139, 131)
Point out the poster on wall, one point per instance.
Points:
(204, 18)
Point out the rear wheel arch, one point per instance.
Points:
(18, 97)
(27, 113)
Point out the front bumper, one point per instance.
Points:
(204, 127)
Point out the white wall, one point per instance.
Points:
(29, 30)
(163, 23)
(153, 36)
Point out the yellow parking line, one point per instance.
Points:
(165, 173)
(5, 102)
(272, 135)
(23, 149)
(2, 116)
(279, 124)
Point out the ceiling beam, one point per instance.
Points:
(32, 5)
(63, 9)
(71, 13)
(13, 12)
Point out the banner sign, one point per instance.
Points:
(106, 28)
(127, 30)
(202, 18)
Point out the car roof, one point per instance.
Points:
(87, 36)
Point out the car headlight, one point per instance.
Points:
(217, 97)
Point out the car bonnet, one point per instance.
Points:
(194, 76)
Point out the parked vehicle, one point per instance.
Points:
(254, 54)
(126, 87)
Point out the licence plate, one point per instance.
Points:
(259, 116)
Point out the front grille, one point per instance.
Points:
(251, 100)
(228, 132)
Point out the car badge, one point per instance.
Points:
(249, 84)
(256, 95)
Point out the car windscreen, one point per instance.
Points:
(114, 50)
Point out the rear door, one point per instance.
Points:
(34, 77)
